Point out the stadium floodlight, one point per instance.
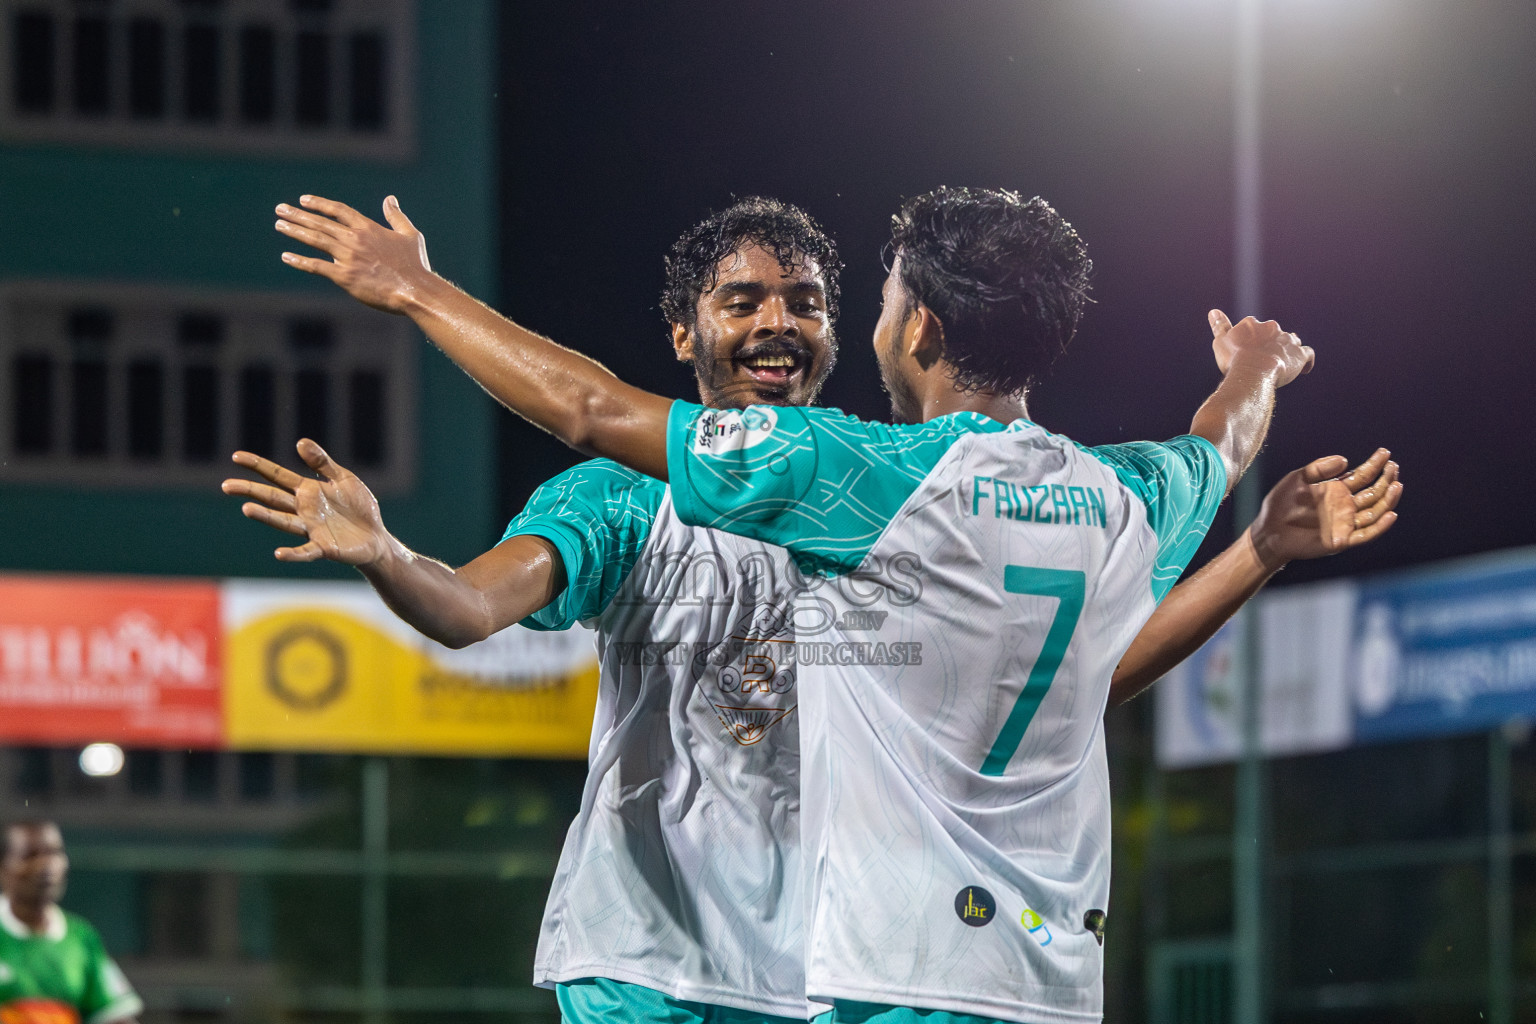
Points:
(101, 759)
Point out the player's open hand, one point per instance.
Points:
(1313, 511)
(336, 514)
(1260, 346)
(376, 265)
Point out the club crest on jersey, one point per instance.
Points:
(975, 906)
(749, 678)
(733, 430)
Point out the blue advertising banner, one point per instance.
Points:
(1445, 650)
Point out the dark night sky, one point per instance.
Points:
(1400, 213)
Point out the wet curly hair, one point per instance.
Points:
(1006, 276)
(782, 228)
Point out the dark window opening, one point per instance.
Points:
(32, 61)
(88, 407)
(90, 329)
(258, 776)
(90, 324)
(146, 409)
(92, 70)
(34, 771)
(312, 404)
(146, 68)
(258, 415)
(32, 400)
(200, 413)
(200, 70)
(200, 329)
(146, 776)
(366, 417)
(200, 775)
(312, 80)
(311, 335)
(258, 74)
(367, 107)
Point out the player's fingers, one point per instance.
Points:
(326, 243)
(272, 497)
(1372, 494)
(339, 211)
(396, 216)
(1388, 502)
(1373, 531)
(318, 459)
(310, 265)
(310, 552)
(277, 520)
(1219, 323)
(313, 221)
(1365, 474)
(1325, 468)
(285, 478)
(1307, 354)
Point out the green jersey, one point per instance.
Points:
(61, 975)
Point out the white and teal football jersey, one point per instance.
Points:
(681, 872)
(981, 582)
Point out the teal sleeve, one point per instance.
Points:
(1182, 483)
(815, 481)
(598, 516)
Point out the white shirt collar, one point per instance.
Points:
(53, 922)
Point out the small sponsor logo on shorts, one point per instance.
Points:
(975, 906)
(1036, 926)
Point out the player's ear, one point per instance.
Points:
(924, 336)
(682, 342)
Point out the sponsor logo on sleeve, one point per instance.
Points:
(975, 906)
(733, 430)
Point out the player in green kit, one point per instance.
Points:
(53, 966)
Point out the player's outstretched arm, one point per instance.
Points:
(339, 519)
(1255, 359)
(1312, 512)
(573, 397)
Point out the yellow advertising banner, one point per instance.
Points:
(326, 666)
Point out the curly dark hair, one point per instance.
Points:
(1007, 277)
(782, 228)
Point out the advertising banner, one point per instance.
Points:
(1432, 652)
(134, 661)
(256, 665)
(1303, 633)
(329, 667)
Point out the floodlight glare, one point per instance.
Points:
(101, 759)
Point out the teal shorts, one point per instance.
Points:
(601, 1001)
(845, 1012)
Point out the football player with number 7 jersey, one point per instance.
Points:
(955, 808)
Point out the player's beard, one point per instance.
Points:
(719, 389)
(905, 405)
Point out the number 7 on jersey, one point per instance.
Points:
(1068, 587)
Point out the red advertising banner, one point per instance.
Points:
(136, 662)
